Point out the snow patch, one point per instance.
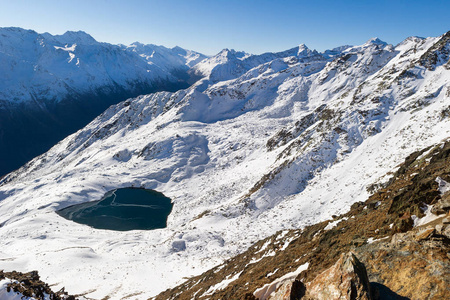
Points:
(264, 292)
(333, 224)
(429, 216)
(221, 285)
(444, 186)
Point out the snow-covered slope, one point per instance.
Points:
(284, 144)
(169, 59)
(51, 86)
(46, 67)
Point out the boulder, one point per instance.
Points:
(346, 279)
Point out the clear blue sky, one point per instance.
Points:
(253, 26)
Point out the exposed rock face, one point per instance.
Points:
(283, 292)
(345, 280)
(26, 285)
(443, 205)
(413, 264)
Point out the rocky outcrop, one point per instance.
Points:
(345, 280)
(414, 264)
(437, 54)
(443, 205)
(26, 285)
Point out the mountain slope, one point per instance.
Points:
(287, 144)
(400, 233)
(46, 67)
(52, 86)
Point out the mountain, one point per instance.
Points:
(401, 228)
(230, 64)
(168, 59)
(47, 67)
(52, 86)
(283, 145)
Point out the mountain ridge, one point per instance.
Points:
(285, 144)
(54, 85)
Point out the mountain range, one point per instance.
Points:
(52, 86)
(258, 144)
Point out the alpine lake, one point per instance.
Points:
(123, 209)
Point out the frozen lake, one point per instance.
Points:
(123, 209)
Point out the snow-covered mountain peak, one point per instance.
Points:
(229, 64)
(45, 66)
(412, 40)
(79, 37)
(134, 45)
(335, 52)
(375, 41)
(170, 59)
(4, 31)
(304, 51)
(227, 54)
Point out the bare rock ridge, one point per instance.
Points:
(391, 246)
(26, 285)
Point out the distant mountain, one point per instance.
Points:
(168, 59)
(261, 144)
(51, 86)
(230, 64)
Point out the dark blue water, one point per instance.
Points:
(123, 209)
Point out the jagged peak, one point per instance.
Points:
(303, 50)
(71, 37)
(231, 53)
(17, 30)
(299, 51)
(340, 48)
(178, 48)
(411, 39)
(78, 34)
(375, 41)
(302, 47)
(67, 37)
(136, 44)
(414, 38)
(139, 45)
(329, 53)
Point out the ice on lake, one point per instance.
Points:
(123, 209)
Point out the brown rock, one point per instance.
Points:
(446, 231)
(424, 234)
(283, 292)
(346, 279)
(408, 267)
(443, 205)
